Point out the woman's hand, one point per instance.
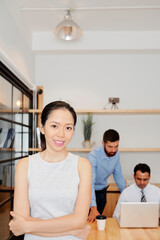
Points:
(16, 225)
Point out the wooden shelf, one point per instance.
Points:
(119, 111)
(139, 149)
(5, 188)
(20, 111)
(35, 110)
(90, 149)
(8, 111)
(34, 149)
(7, 149)
(109, 111)
(11, 111)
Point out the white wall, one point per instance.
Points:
(15, 52)
(88, 80)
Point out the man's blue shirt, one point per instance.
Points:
(102, 168)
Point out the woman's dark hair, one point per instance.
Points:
(142, 167)
(46, 112)
(111, 136)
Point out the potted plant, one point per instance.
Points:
(87, 131)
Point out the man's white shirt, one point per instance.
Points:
(133, 194)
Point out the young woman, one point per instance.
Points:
(53, 187)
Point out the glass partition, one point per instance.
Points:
(15, 139)
(17, 105)
(5, 98)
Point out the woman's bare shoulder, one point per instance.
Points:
(22, 163)
(84, 163)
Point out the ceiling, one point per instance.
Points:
(36, 18)
(91, 15)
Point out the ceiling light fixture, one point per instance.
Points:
(68, 30)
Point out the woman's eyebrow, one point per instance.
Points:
(59, 123)
(54, 122)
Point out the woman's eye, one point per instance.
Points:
(69, 128)
(54, 126)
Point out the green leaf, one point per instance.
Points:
(87, 127)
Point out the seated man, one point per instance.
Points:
(140, 191)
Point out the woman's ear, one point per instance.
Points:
(42, 129)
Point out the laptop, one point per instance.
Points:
(139, 215)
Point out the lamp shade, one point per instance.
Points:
(68, 29)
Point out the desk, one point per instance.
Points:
(114, 232)
(112, 198)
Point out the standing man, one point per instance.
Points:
(105, 160)
(140, 191)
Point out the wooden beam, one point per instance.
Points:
(39, 102)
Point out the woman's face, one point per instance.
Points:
(58, 129)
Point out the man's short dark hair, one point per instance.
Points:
(111, 135)
(142, 167)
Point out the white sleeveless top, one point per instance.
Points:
(53, 190)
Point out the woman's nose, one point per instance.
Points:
(61, 132)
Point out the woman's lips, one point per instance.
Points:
(58, 143)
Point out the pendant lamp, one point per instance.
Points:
(68, 30)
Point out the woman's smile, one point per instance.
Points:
(58, 142)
